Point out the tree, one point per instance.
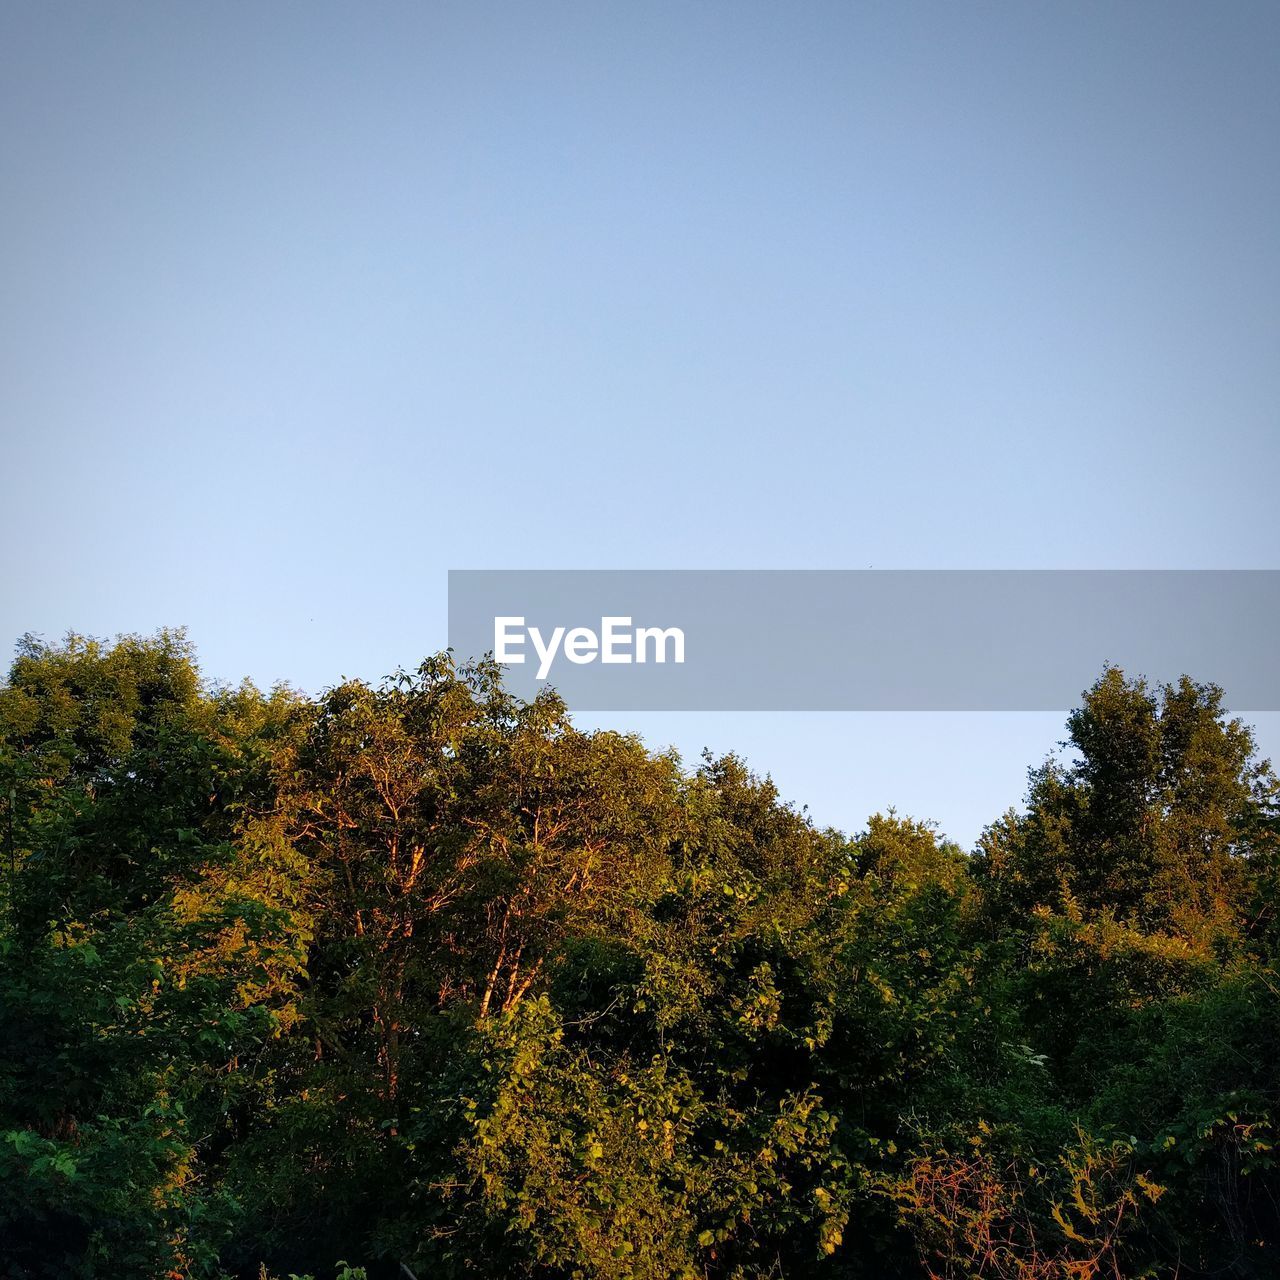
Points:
(418, 973)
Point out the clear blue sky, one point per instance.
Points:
(302, 305)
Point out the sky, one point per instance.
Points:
(302, 305)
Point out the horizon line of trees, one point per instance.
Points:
(419, 978)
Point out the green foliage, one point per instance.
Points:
(421, 975)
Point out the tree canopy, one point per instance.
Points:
(419, 978)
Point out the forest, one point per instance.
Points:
(415, 979)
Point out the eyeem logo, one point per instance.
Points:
(616, 641)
